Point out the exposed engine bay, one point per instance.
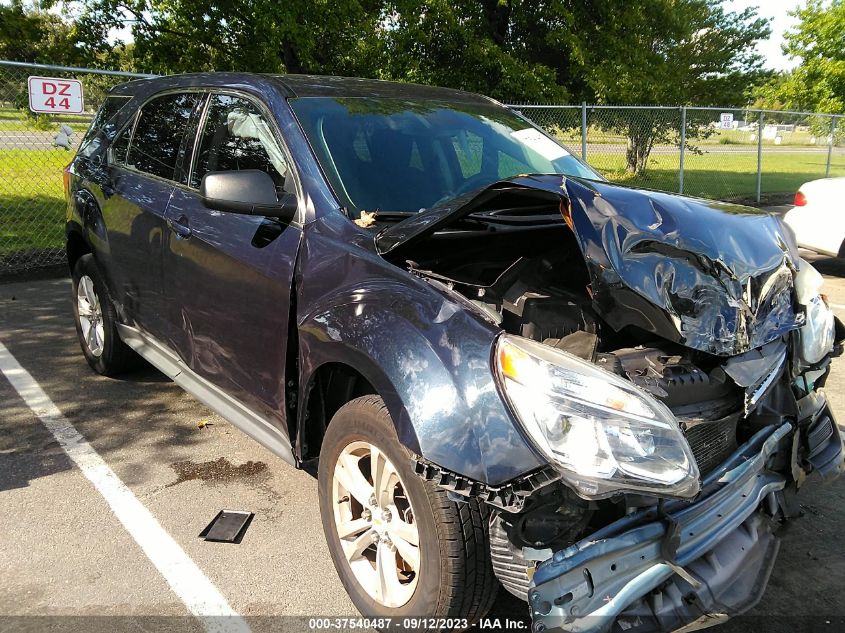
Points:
(546, 297)
(756, 363)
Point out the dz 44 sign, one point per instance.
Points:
(55, 96)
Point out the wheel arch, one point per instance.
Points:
(330, 386)
(75, 245)
(333, 382)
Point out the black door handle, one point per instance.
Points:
(180, 227)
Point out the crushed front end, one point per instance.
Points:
(649, 562)
(681, 563)
(667, 358)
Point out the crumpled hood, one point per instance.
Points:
(712, 276)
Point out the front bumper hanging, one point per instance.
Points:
(710, 559)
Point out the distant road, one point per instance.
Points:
(24, 139)
(33, 139)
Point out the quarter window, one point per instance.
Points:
(111, 106)
(120, 145)
(158, 133)
(237, 136)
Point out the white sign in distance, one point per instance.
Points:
(726, 120)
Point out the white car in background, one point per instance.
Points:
(818, 217)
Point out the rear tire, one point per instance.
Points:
(96, 321)
(453, 579)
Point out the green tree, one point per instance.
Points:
(633, 52)
(473, 45)
(818, 82)
(673, 52)
(615, 51)
(31, 35)
(172, 36)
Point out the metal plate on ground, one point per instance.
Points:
(228, 526)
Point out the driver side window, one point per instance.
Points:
(237, 136)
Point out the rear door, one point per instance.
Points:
(140, 183)
(228, 276)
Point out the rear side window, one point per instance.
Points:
(110, 107)
(158, 133)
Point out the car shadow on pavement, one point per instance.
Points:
(28, 451)
(144, 374)
(833, 266)
(137, 414)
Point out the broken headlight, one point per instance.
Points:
(602, 433)
(816, 336)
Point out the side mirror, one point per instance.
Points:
(249, 191)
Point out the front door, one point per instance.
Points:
(228, 276)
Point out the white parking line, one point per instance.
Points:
(186, 580)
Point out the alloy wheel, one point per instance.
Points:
(90, 316)
(375, 523)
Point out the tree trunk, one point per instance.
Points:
(640, 142)
(291, 59)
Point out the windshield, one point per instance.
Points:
(399, 155)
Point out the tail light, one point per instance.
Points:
(800, 199)
(66, 179)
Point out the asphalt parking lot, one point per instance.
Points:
(64, 551)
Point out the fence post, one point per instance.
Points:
(584, 131)
(759, 155)
(830, 145)
(683, 147)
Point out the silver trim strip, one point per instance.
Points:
(258, 428)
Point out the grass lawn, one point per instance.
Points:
(32, 207)
(722, 176)
(14, 120)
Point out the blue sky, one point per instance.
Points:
(777, 10)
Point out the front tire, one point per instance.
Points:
(401, 547)
(96, 321)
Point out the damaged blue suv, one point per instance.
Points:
(507, 370)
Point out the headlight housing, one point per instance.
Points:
(816, 336)
(603, 434)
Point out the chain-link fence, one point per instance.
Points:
(32, 207)
(733, 154)
(722, 153)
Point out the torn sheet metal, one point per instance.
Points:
(757, 370)
(749, 369)
(710, 275)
